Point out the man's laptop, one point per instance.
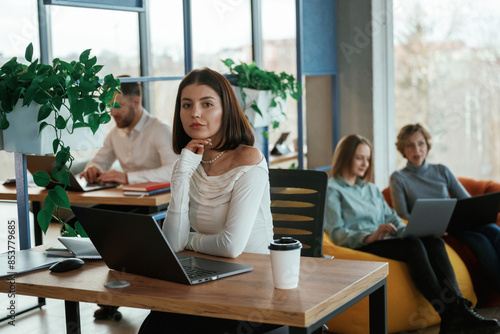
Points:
(430, 217)
(134, 243)
(475, 211)
(47, 162)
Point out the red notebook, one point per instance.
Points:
(146, 186)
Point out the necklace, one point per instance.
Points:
(210, 161)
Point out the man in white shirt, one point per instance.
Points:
(140, 142)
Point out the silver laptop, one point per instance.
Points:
(430, 217)
(134, 243)
(47, 162)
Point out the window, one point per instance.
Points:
(221, 29)
(280, 55)
(113, 37)
(447, 75)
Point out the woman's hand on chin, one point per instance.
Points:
(198, 145)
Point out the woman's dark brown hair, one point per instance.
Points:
(235, 128)
(407, 131)
(344, 155)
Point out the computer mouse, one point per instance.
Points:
(66, 265)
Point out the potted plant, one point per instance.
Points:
(67, 96)
(262, 94)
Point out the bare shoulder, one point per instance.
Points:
(247, 155)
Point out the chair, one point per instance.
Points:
(298, 207)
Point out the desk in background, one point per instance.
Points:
(113, 196)
(327, 287)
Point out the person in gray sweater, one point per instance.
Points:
(421, 179)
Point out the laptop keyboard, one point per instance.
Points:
(195, 272)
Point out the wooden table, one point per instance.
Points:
(326, 288)
(113, 196)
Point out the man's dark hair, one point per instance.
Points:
(130, 88)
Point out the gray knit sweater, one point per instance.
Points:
(426, 181)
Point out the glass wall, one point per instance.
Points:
(447, 75)
(113, 37)
(221, 30)
(280, 55)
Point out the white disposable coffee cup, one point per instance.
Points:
(285, 262)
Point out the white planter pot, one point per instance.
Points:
(262, 99)
(22, 134)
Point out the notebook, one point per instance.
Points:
(82, 248)
(134, 243)
(475, 211)
(47, 162)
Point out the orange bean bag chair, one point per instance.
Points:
(486, 296)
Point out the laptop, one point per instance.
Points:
(135, 244)
(47, 162)
(429, 217)
(475, 211)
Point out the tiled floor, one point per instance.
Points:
(50, 319)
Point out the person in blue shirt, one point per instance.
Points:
(358, 217)
(421, 179)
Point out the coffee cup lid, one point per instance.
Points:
(285, 243)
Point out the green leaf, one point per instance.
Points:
(68, 231)
(44, 217)
(91, 62)
(44, 112)
(55, 145)
(42, 126)
(30, 93)
(61, 175)
(63, 156)
(26, 77)
(61, 123)
(49, 205)
(41, 97)
(41, 178)
(28, 54)
(79, 229)
(77, 108)
(97, 68)
(104, 118)
(4, 123)
(59, 197)
(94, 122)
(86, 87)
(72, 94)
(84, 56)
(49, 82)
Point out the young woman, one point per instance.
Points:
(358, 217)
(220, 189)
(420, 179)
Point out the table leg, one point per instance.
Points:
(37, 206)
(72, 317)
(378, 309)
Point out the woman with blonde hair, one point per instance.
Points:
(358, 217)
(421, 179)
